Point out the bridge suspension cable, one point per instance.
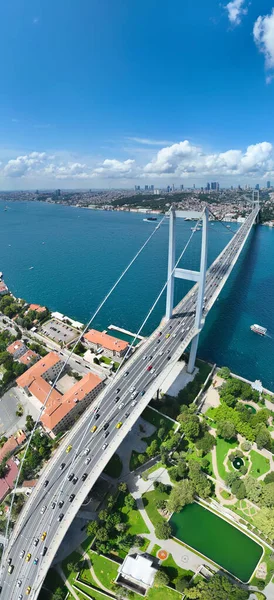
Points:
(109, 387)
(63, 368)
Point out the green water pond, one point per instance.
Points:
(216, 539)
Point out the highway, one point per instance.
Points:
(41, 512)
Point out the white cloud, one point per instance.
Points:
(235, 11)
(149, 142)
(263, 33)
(112, 168)
(182, 160)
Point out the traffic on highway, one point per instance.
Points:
(52, 505)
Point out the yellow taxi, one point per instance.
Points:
(93, 428)
(43, 536)
(28, 557)
(28, 590)
(119, 425)
(68, 449)
(167, 335)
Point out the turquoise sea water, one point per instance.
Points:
(84, 251)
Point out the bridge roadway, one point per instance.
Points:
(159, 351)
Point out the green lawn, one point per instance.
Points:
(222, 448)
(162, 593)
(260, 464)
(90, 592)
(105, 569)
(150, 499)
(226, 495)
(114, 467)
(72, 558)
(173, 570)
(105, 360)
(134, 519)
(155, 467)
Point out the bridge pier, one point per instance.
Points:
(197, 276)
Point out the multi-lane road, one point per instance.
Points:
(56, 498)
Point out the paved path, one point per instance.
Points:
(97, 581)
(66, 582)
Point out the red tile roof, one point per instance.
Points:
(8, 447)
(28, 357)
(17, 345)
(38, 369)
(37, 308)
(57, 410)
(106, 341)
(6, 483)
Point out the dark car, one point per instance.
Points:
(9, 561)
(117, 399)
(143, 392)
(36, 541)
(127, 415)
(46, 483)
(62, 466)
(84, 476)
(169, 357)
(106, 425)
(71, 498)
(106, 434)
(118, 390)
(60, 504)
(74, 481)
(70, 476)
(97, 416)
(61, 516)
(44, 551)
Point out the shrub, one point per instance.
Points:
(246, 446)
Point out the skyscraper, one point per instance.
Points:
(181, 187)
(208, 186)
(268, 185)
(257, 186)
(152, 188)
(146, 188)
(213, 185)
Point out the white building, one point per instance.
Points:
(137, 573)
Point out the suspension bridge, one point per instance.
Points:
(143, 372)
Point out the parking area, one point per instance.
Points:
(59, 332)
(9, 404)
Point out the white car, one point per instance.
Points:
(43, 509)
(86, 451)
(22, 554)
(152, 370)
(134, 403)
(161, 353)
(174, 334)
(19, 583)
(121, 405)
(87, 461)
(104, 446)
(183, 330)
(132, 389)
(144, 357)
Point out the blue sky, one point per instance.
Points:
(110, 93)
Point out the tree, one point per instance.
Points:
(217, 588)
(231, 478)
(181, 494)
(161, 433)
(73, 566)
(264, 520)
(263, 438)
(182, 469)
(102, 534)
(29, 423)
(92, 528)
(3, 468)
(190, 425)
(161, 504)
(226, 430)
(130, 502)
(267, 498)
(246, 446)
(59, 594)
(243, 470)
(122, 487)
(141, 459)
(163, 488)
(224, 372)
(152, 449)
(269, 478)
(206, 442)
(162, 530)
(238, 489)
(161, 578)
(229, 399)
(181, 583)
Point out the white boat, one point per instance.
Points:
(31, 268)
(258, 329)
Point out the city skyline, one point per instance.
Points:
(102, 96)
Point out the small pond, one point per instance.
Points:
(238, 462)
(217, 539)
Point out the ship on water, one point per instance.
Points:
(150, 219)
(258, 329)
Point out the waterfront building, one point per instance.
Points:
(37, 308)
(3, 288)
(47, 368)
(62, 411)
(17, 349)
(29, 358)
(137, 573)
(97, 339)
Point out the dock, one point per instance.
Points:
(139, 337)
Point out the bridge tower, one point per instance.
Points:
(197, 276)
(256, 202)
